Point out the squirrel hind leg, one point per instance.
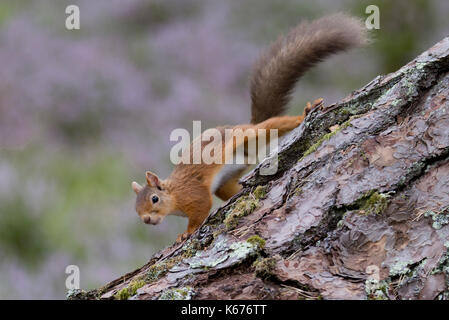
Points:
(230, 188)
(226, 182)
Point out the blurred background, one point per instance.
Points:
(85, 112)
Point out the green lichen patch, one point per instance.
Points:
(264, 267)
(257, 241)
(373, 203)
(183, 293)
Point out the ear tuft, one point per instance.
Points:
(136, 187)
(152, 179)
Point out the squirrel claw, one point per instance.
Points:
(182, 237)
(316, 103)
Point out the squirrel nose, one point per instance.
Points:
(146, 219)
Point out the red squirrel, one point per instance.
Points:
(188, 190)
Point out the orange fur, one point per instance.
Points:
(188, 188)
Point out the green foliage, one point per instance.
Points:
(404, 21)
(21, 233)
(30, 231)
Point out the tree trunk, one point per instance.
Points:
(359, 208)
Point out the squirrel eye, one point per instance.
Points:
(154, 199)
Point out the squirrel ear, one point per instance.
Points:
(136, 187)
(152, 179)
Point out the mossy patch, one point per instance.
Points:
(123, 294)
(298, 191)
(259, 192)
(323, 138)
(243, 207)
(257, 241)
(373, 203)
(191, 247)
(134, 285)
(264, 267)
(130, 290)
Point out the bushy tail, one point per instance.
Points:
(277, 71)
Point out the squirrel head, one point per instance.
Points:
(154, 201)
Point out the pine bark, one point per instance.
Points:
(359, 208)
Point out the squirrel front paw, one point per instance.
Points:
(309, 107)
(182, 237)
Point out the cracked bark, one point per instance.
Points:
(359, 212)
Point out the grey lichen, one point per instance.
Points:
(75, 294)
(439, 218)
(222, 253)
(400, 268)
(376, 290)
(407, 271)
(183, 293)
(159, 269)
